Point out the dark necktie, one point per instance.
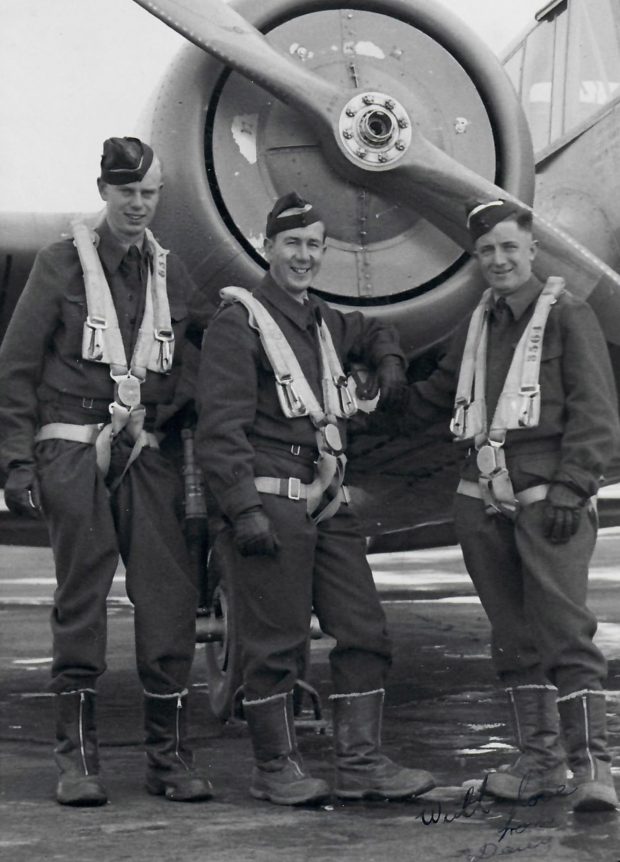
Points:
(499, 353)
(129, 303)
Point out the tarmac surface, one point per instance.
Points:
(444, 712)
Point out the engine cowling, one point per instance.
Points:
(229, 149)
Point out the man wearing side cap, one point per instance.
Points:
(533, 402)
(274, 401)
(95, 346)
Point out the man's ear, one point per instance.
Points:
(533, 249)
(103, 188)
(267, 247)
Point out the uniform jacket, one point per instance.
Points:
(579, 430)
(42, 374)
(237, 394)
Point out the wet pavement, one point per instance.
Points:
(443, 713)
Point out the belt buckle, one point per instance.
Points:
(294, 488)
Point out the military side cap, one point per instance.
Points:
(483, 217)
(125, 160)
(290, 211)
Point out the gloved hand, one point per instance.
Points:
(21, 492)
(253, 533)
(392, 382)
(562, 513)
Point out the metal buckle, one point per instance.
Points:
(295, 448)
(528, 395)
(96, 322)
(128, 390)
(295, 403)
(294, 488)
(459, 418)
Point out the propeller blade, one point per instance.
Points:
(443, 189)
(220, 31)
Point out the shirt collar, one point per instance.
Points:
(300, 313)
(522, 298)
(111, 251)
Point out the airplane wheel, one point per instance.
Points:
(223, 657)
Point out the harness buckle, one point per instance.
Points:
(127, 390)
(294, 402)
(459, 418)
(166, 340)
(294, 488)
(347, 402)
(530, 399)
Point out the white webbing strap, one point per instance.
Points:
(470, 410)
(102, 341)
(519, 402)
(295, 393)
(297, 398)
(518, 405)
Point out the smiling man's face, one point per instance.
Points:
(131, 207)
(505, 256)
(295, 257)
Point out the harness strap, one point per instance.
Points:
(524, 498)
(102, 340)
(98, 435)
(292, 488)
(297, 398)
(519, 403)
(294, 392)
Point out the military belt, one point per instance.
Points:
(82, 433)
(292, 488)
(524, 498)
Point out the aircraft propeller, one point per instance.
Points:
(372, 139)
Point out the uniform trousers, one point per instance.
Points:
(320, 566)
(534, 594)
(89, 529)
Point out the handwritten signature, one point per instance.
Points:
(473, 802)
(492, 849)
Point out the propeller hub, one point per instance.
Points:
(375, 130)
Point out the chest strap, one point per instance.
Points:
(102, 340)
(297, 399)
(519, 402)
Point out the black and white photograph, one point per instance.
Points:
(309, 430)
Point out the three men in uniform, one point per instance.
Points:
(96, 346)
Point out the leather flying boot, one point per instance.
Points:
(278, 775)
(362, 771)
(541, 765)
(76, 752)
(584, 724)
(170, 768)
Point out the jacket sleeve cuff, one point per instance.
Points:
(239, 498)
(561, 495)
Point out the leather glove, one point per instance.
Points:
(21, 492)
(392, 382)
(253, 534)
(562, 514)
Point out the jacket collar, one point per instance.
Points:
(521, 299)
(301, 314)
(111, 251)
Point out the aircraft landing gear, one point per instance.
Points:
(216, 628)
